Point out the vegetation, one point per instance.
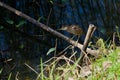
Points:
(27, 40)
(104, 67)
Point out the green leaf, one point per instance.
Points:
(21, 46)
(10, 21)
(9, 78)
(39, 18)
(1, 71)
(41, 68)
(51, 2)
(1, 27)
(64, 0)
(21, 23)
(51, 50)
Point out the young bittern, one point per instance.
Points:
(73, 29)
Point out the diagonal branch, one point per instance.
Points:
(50, 30)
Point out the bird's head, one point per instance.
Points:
(64, 28)
(73, 29)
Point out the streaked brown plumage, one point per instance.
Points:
(73, 29)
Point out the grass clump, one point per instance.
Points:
(106, 66)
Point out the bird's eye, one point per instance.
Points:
(73, 27)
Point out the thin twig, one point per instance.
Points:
(63, 50)
(16, 77)
(49, 16)
(31, 68)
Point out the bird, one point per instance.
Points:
(73, 29)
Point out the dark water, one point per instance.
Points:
(103, 13)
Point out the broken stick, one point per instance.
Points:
(89, 34)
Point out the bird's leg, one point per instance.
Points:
(77, 39)
(73, 37)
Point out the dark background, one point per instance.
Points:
(30, 43)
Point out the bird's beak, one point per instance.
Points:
(62, 28)
(59, 29)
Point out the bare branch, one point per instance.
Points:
(89, 34)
